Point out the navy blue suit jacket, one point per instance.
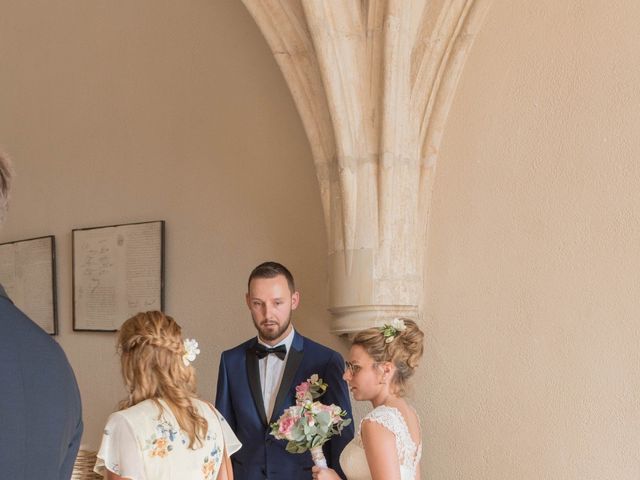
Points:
(239, 399)
(40, 413)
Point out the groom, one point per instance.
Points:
(257, 381)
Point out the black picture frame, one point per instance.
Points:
(79, 235)
(49, 325)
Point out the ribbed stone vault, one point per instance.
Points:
(373, 81)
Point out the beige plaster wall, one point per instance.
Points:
(139, 110)
(532, 275)
(129, 111)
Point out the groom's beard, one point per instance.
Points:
(270, 335)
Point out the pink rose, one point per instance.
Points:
(286, 425)
(302, 390)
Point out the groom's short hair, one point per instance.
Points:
(272, 270)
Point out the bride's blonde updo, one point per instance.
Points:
(403, 349)
(151, 348)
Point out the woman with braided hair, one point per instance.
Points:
(388, 445)
(163, 431)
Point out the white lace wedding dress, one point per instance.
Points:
(353, 460)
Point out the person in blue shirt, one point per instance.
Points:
(40, 409)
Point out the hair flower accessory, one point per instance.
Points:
(191, 350)
(390, 332)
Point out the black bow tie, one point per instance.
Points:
(261, 351)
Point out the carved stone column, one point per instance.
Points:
(373, 82)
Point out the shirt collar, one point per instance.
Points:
(286, 341)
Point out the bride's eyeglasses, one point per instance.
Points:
(352, 368)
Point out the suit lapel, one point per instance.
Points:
(293, 362)
(253, 374)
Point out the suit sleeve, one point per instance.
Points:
(224, 403)
(338, 394)
(76, 427)
(67, 465)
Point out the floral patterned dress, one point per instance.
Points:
(145, 443)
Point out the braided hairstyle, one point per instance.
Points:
(151, 348)
(404, 351)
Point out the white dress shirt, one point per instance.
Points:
(271, 371)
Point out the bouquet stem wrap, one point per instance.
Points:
(318, 457)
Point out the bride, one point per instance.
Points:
(388, 445)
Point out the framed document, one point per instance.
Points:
(28, 275)
(118, 271)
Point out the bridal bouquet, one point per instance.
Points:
(309, 424)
